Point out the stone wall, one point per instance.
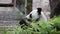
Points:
(29, 6)
(5, 1)
(55, 7)
(53, 3)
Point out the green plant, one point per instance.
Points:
(49, 27)
(52, 26)
(6, 31)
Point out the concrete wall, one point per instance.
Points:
(5, 1)
(36, 4)
(44, 4)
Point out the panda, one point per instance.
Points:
(34, 15)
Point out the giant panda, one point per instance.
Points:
(34, 15)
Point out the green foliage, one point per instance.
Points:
(50, 27)
(5, 31)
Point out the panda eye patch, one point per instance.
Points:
(30, 16)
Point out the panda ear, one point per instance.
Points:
(39, 10)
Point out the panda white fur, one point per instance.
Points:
(34, 15)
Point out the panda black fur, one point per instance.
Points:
(23, 22)
(32, 16)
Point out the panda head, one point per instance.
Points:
(34, 15)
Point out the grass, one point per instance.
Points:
(52, 26)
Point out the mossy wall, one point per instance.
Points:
(29, 6)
